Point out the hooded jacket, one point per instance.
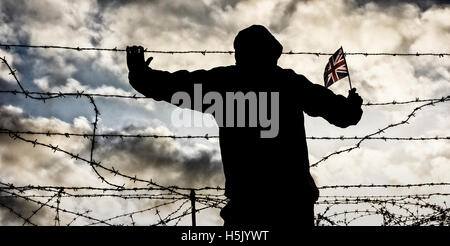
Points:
(260, 172)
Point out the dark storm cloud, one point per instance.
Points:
(194, 11)
(165, 156)
(27, 18)
(18, 15)
(20, 206)
(10, 120)
(8, 98)
(422, 4)
(118, 3)
(285, 12)
(14, 15)
(134, 156)
(44, 22)
(19, 157)
(198, 18)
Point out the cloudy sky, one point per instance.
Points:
(317, 26)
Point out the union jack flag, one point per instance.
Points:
(336, 68)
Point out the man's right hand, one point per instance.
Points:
(354, 98)
(135, 59)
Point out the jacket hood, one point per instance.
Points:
(255, 46)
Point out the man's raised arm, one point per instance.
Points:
(336, 109)
(157, 84)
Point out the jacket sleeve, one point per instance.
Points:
(162, 85)
(336, 109)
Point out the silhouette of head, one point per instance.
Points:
(256, 47)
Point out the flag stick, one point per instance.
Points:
(349, 80)
(348, 70)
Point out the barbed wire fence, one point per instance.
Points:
(405, 209)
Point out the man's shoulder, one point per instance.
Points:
(291, 73)
(223, 69)
(285, 72)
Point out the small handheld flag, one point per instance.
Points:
(336, 68)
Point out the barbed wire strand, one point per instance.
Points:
(229, 52)
(384, 185)
(382, 130)
(207, 136)
(51, 95)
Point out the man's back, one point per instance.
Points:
(254, 165)
(265, 174)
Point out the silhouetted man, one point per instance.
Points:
(267, 179)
